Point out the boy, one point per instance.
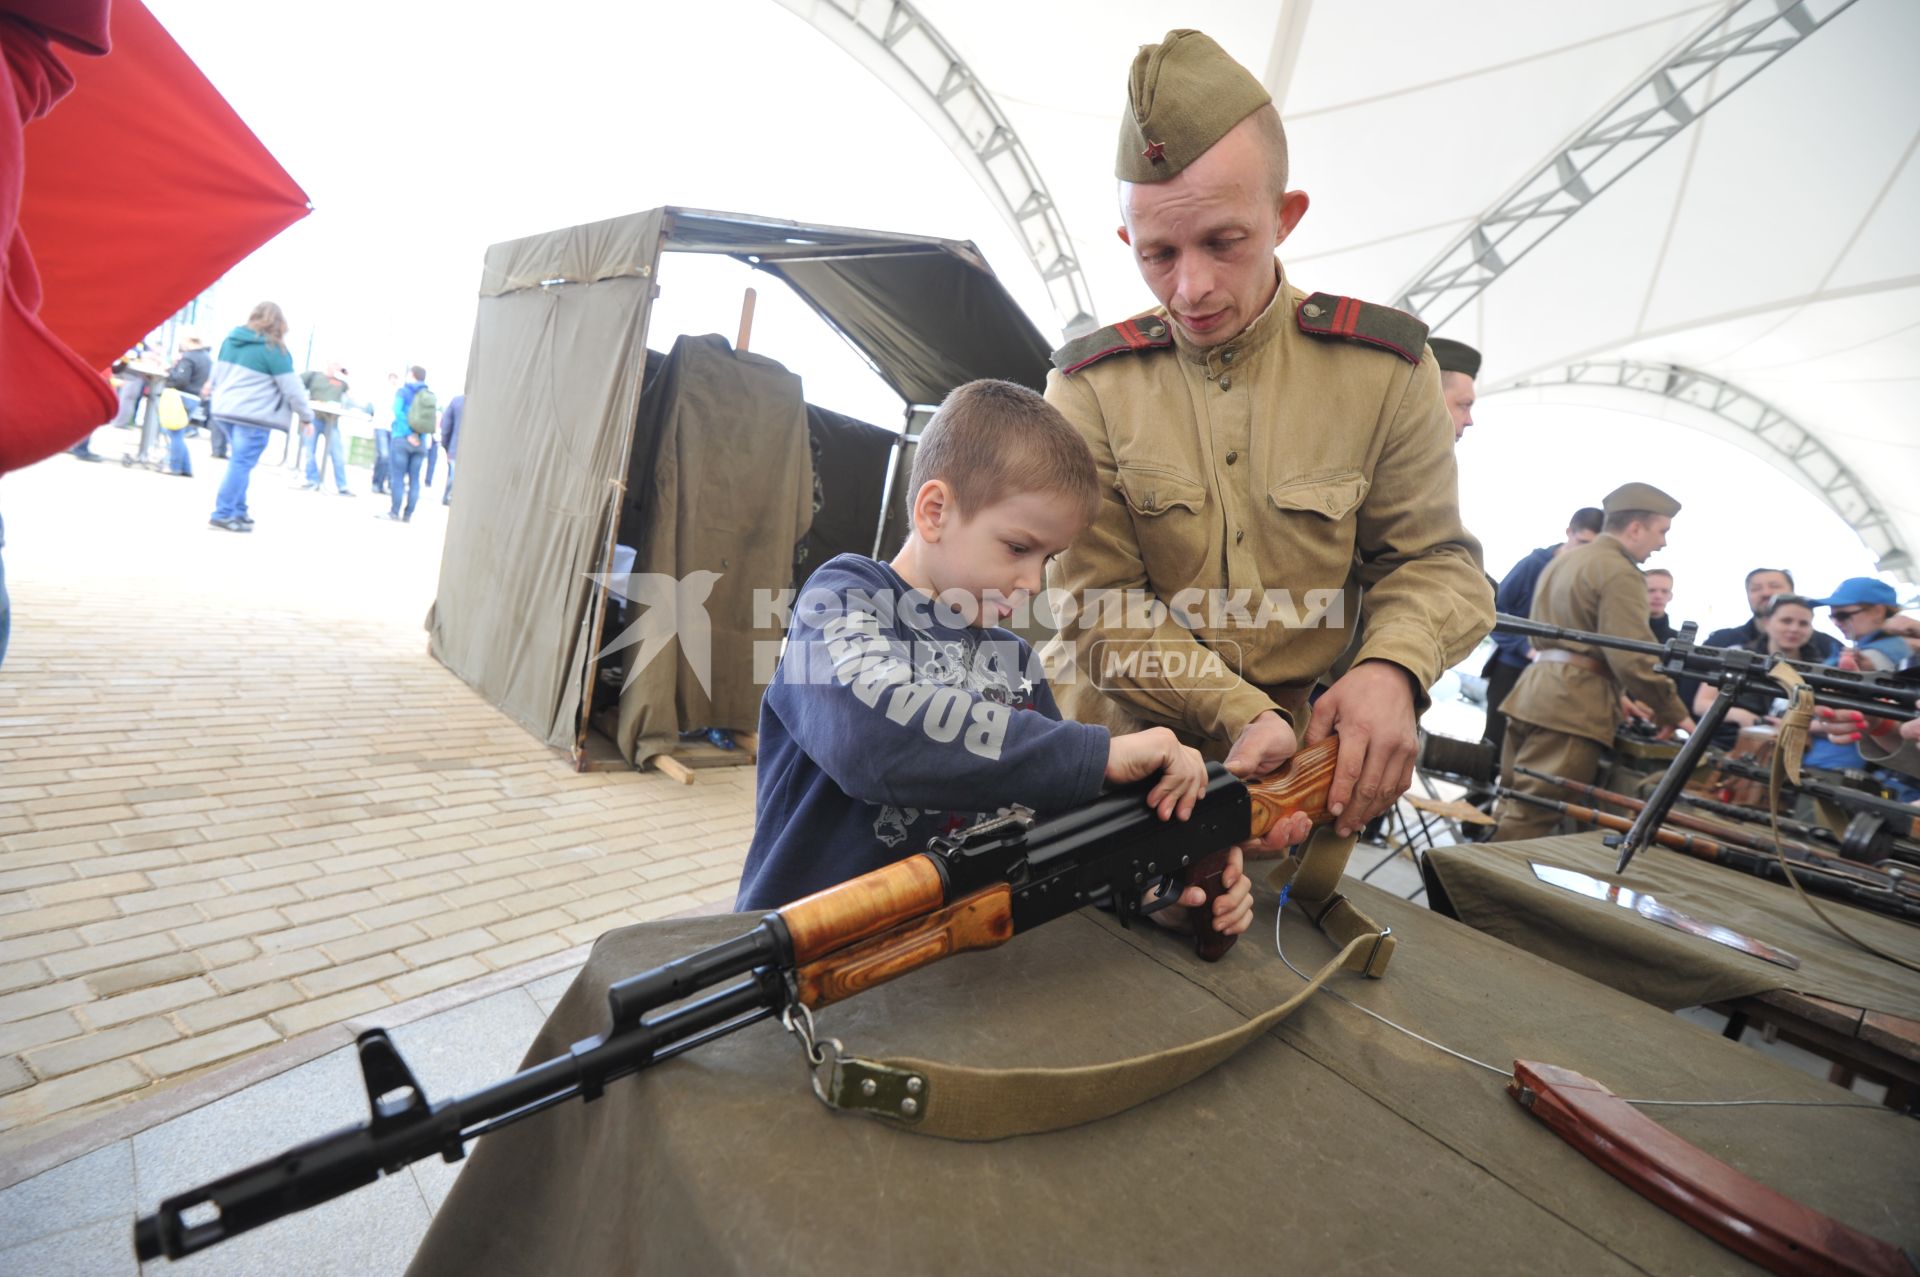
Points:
(899, 711)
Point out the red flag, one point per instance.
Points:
(121, 242)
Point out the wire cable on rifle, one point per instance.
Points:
(1280, 912)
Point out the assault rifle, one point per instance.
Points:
(974, 889)
(1733, 671)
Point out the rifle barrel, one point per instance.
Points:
(1875, 694)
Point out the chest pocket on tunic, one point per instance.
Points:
(1169, 521)
(1317, 524)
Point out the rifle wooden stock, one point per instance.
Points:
(1840, 879)
(1679, 820)
(981, 921)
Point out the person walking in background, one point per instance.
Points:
(325, 442)
(449, 438)
(190, 374)
(131, 389)
(254, 390)
(415, 414)
(383, 440)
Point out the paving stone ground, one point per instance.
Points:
(238, 800)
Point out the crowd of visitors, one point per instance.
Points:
(248, 390)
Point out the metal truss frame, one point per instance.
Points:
(895, 41)
(1789, 445)
(1732, 48)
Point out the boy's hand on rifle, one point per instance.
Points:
(1262, 749)
(1183, 773)
(1232, 908)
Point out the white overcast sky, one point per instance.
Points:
(423, 132)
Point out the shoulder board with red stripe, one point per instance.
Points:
(1349, 318)
(1142, 332)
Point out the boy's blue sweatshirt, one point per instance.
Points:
(883, 728)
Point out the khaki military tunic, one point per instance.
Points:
(1279, 469)
(1560, 716)
(1598, 588)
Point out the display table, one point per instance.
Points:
(1843, 1001)
(1333, 1143)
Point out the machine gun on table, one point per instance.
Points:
(1733, 672)
(1880, 828)
(972, 890)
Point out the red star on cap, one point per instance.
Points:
(1154, 151)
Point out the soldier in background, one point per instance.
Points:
(1562, 714)
(1459, 367)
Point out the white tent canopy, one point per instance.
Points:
(1761, 260)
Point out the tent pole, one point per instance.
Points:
(886, 491)
(746, 322)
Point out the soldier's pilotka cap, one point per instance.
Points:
(1640, 496)
(1455, 356)
(1182, 96)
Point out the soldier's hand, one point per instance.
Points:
(1686, 725)
(1371, 710)
(1632, 709)
(1262, 749)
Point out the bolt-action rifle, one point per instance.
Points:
(1733, 672)
(1733, 837)
(974, 889)
(1850, 884)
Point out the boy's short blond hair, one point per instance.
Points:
(991, 440)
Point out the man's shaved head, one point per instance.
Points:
(1273, 142)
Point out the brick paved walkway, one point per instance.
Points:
(238, 801)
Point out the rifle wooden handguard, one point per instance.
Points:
(1741, 1214)
(828, 921)
(981, 921)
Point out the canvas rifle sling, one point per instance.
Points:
(957, 1102)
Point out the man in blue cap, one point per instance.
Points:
(1860, 609)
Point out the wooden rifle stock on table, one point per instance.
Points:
(1742, 1214)
(972, 890)
(1695, 824)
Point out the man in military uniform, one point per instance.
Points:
(1256, 446)
(1562, 714)
(1459, 366)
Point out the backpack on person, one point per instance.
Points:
(423, 414)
